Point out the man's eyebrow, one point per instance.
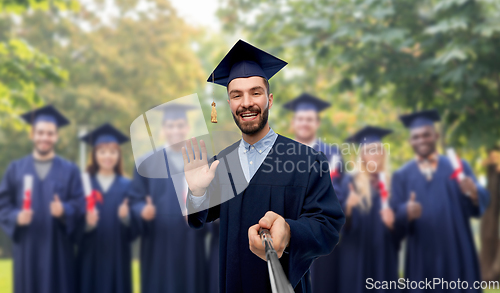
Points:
(234, 91)
(257, 88)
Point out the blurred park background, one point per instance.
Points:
(105, 60)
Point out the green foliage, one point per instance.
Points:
(19, 6)
(22, 70)
(442, 54)
(119, 69)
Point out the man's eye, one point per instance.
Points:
(256, 94)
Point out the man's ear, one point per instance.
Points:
(270, 99)
(32, 133)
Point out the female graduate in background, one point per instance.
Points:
(104, 252)
(368, 247)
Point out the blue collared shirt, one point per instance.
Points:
(251, 157)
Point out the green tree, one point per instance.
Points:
(23, 68)
(120, 66)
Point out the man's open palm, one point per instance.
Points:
(198, 174)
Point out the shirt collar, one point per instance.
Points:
(432, 158)
(262, 144)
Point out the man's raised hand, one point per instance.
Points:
(198, 174)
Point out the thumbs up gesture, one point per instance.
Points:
(353, 199)
(413, 208)
(56, 207)
(24, 217)
(123, 210)
(149, 211)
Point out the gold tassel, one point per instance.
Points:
(214, 113)
(213, 116)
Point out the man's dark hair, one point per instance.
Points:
(267, 86)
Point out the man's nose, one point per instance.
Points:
(247, 101)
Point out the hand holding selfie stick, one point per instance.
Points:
(279, 281)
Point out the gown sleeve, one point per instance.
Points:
(316, 231)
(197, 216)
(138, 190)
(397, 202)
(8, 210)
(132, 225)
(74, 206)
(482, 193)
(352, 221)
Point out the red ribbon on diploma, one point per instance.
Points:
(458, 170)
(383, 191)
(95, 196)
(27, 200)
(334, 173)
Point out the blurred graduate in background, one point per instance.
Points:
(107, 230)
(306, 122)
(173, 256)
(41, 200)
(368, 247)
(433, 206)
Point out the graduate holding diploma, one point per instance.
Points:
(433, 209)
(104, 248)
(369, 245)
(41, 216)
(173, 256)
(297, 204)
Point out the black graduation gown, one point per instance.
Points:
(173, 257)
(305, 199)
(440, 242)
(104, 253)
(43, 252)
(213, 257)
(367, 249)
(324, 268)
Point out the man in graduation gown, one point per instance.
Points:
(433, 209)
(42, 230)
(264, 180)
(306, 122)
(172, 256)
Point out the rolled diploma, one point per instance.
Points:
(27, 191)
(455, 163)
(381, 178)
(87, 188)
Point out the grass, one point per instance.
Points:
(6, 276)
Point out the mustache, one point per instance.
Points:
(251, 109)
